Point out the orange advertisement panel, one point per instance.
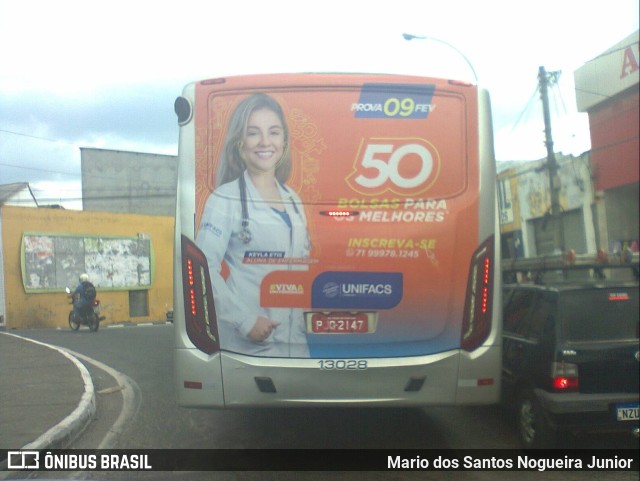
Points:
(338, 214)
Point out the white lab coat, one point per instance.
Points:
(237, 300)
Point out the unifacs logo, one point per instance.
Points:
(357, 290)
(212, 228)
(286, 289)
(367, 289)
(331, 289)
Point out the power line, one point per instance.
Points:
(526, 109)
(169, 195)
(558, 93)
(100, 198)
(37, 137)
(37, 169)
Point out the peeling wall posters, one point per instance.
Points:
(54, 261)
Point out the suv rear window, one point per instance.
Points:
(599, 314)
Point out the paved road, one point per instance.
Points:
(144, 356)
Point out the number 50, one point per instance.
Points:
(390, 169)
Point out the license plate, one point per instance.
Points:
(339, 323)
(627, 412)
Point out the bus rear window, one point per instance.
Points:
(599, 315)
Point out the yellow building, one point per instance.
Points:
(128, 257)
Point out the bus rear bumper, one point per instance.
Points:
(274, 382)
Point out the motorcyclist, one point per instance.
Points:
(84, 295)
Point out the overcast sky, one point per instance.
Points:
(105, 74)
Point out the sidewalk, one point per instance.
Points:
(46, 395)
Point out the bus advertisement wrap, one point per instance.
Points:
(337, 221)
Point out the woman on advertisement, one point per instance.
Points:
(255, 223)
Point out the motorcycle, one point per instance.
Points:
(89, 316)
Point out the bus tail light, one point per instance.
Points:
(476, 321)
(199, 311)
(564, 377)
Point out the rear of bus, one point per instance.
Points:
(383, 286)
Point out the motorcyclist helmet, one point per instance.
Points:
(84, 278)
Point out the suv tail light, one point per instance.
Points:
(476, 321)
(564, 377)
(199, 311)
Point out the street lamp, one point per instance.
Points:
(408, 36)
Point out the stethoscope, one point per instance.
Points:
(245, 234)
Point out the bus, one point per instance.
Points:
(336, 242)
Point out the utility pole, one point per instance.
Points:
(544, 79)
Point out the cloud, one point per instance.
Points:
(140, 112)
(86, 74)
(41, 132)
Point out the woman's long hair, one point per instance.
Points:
(231, 165)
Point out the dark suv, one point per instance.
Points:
(570, 358)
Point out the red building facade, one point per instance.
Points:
(607, 89)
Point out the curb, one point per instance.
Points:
(137, 324)
(126, 325)
(67, 430)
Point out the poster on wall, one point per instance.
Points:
(55, 261)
